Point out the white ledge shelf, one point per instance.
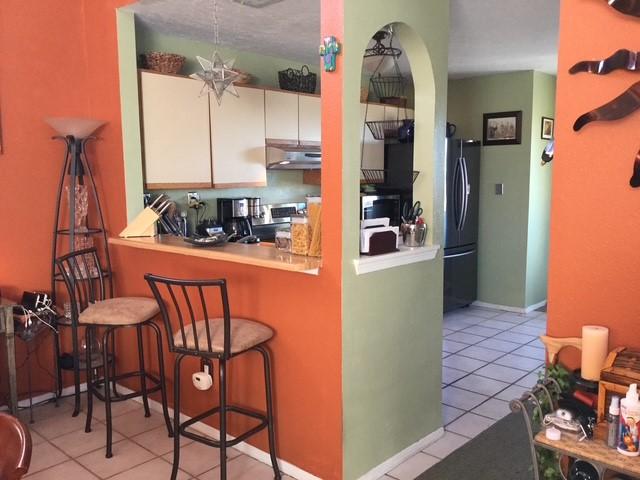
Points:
(405, 256)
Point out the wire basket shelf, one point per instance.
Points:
(384, 129)
(388, 86)
(378, 176)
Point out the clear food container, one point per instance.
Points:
(300, 234)
(283, 239)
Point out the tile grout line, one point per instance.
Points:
(489, 397)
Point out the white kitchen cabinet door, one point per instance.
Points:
(237, 140)
(281, 115)
(175, 125)
(309, 118)
(373, 150)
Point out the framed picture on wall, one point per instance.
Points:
(502, 128)
(546, 128)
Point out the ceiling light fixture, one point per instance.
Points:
(257, 3)
(217, 74)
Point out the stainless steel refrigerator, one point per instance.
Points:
(461, 223)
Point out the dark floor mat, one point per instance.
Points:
(499, 453)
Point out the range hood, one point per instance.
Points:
(293, 155)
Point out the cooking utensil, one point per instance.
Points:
(622, 59)
(411, 214)
(618, 108)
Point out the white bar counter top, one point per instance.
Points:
(258, 255)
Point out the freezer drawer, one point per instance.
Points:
(460, 277)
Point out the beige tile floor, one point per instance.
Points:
(489, 358)
(142, 449)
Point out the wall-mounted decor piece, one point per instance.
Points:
(628, 7)
(618, 108)
(329, 50)
(546, 128)
(635, 178)
(623, 59)
(502, 128)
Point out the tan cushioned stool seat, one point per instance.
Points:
(244, 335)
(120, 311)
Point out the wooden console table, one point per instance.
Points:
(594, 451)
(6, 328)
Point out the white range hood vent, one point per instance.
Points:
(293, 156)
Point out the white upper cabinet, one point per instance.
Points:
(281, 115)
(175, 132)
(373, 150)
(237, 139)
(309, 119)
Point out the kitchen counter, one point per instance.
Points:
(265, 256)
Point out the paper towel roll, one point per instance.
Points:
(595, 347)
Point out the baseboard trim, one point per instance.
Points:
(244, 447)
(403, 455)
(46, 396)
(507, 308)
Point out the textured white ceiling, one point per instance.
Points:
(490, 36)
(487, 36)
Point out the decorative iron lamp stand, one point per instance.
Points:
(77, 180)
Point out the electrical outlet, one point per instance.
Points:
(193, 199)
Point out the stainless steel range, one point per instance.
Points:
(272, 217)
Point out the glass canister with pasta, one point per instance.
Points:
(300, 235)
(314, 207)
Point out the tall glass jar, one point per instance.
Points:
(300, 235)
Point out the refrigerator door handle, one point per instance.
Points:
(470, 252)
(456, 195)
(466, 191)
(461, 194)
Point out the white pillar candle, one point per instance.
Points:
(595, 347)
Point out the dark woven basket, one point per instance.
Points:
(302, 80)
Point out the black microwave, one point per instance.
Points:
(378, 206)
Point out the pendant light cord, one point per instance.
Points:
(216, 33)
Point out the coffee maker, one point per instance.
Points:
(233, 214)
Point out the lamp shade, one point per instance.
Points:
(76, 127)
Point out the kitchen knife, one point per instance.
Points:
(618, 108)
(622, 59)
(635, 178)
(628, 7)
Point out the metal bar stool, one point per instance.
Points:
(213, 338)
(84, 280)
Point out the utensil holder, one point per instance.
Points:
(414, 235)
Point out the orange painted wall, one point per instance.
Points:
(594, 271)
(59, 58)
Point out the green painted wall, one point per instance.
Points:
(283, 186)
(264, 68)
(509, 272)
(131, 140)
(392, 319)
(544, 100)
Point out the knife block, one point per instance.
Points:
(144, 225)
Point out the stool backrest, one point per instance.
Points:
(189, 300)
(15, 450)
(83, 277)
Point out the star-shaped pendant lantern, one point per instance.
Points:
(217, 75)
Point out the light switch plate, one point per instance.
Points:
(499, 188)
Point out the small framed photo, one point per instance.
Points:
(502, 128)
(546, 128)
